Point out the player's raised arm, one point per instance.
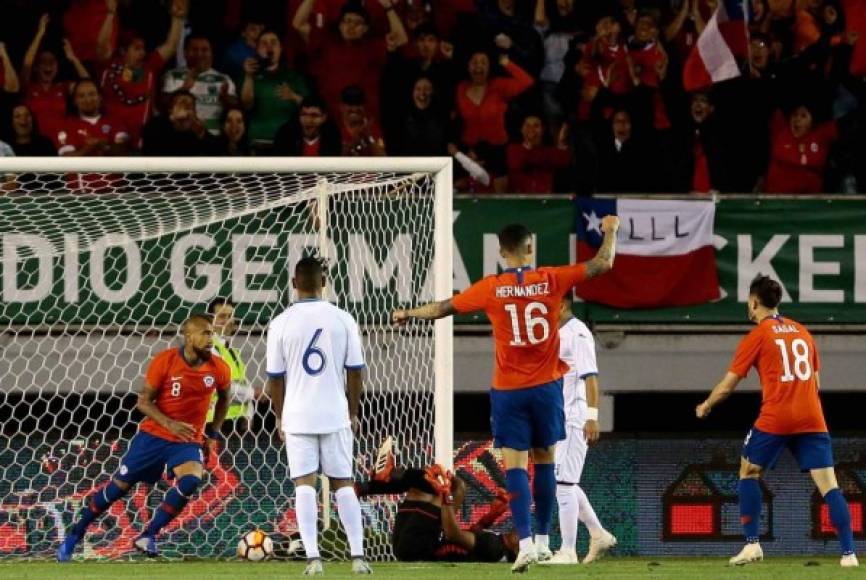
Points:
(148, 408)
(603, 260)
(720, 392)
(430, 311)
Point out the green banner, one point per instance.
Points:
(816, 248)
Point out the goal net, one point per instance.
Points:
(103, 258)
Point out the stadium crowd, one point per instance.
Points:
(528, 95)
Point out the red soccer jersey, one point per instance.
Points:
(523, 307)
(797, 164)
(129, 94)
(48, 105)
(786, 358)
(183, 392)
(74, 132)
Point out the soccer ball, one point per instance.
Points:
(255, 546)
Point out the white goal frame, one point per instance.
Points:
(440, 167)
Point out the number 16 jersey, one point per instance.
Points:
(523, 307)
(312, 344)
(784, 353)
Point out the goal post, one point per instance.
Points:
(102, 258)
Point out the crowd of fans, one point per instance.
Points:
(528, 95)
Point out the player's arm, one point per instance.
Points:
(590, 427)
(603, 260)
(276, 388)
(146, 405)
(719, 393)
(450, 526)
(430, 311)
(220, 410)
(354, 385)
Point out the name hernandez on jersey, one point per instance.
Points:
(183, 393)
(523, 307)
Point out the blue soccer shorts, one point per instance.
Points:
(529, 418)
(811, 450)
(149, 456)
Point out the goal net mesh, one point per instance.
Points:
(99, 269)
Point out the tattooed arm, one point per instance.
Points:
(603, 260)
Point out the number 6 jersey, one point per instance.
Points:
(523, 307)
(312, 344)
(784, 353)
(183, 393)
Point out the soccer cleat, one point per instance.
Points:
(67, 548)
(542, 553)
(599, 546)
(147, 546)
(849, 561)
(314, 568)
(525, 558)
(384, 464)
(360, 566)
(750, 553)
(561, 557)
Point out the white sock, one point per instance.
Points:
(525, 544)
(566, 498)
(349, 509)
(542, 540)
(307, 512)
(587, 514)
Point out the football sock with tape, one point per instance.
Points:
(349, 510)
(750, 508)
(307, 512)
(173, 503)
(841, 518)
(97, 503)
(517, 484)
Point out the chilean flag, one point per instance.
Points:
(664, 255)
(724, 39)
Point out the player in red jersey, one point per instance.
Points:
(784, 353)
(527, 413)
(173, 437)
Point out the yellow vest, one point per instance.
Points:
(232, 357)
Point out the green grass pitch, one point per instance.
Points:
(681, 568)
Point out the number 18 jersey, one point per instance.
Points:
(312, 344)
(784, 353)
(523, 307)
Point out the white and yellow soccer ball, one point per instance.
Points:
(255, 546)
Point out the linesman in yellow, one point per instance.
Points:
(241, 394)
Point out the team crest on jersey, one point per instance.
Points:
(208, 381)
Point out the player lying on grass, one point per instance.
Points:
(177, 392)
(791, 417)
(426, 528)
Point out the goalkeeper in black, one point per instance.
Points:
(426, 526)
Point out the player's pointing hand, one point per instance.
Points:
(702, 410)
(400, 317)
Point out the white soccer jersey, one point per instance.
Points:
(312, 344)
(577, 349)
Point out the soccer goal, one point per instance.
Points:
(103, 258)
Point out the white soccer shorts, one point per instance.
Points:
(570, 455)
(330, 451)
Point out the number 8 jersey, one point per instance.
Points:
(784, 353)
(312, 344)
(523, 307)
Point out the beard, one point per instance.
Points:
(203, 353)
